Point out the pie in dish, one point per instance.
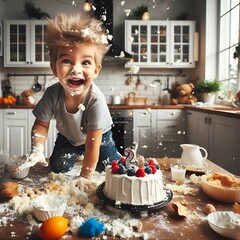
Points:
(221, 187)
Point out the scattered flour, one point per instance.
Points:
(82, 203)
(182, 189)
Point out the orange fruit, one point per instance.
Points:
(53, 228)
(5, 100)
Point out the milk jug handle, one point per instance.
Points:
(205, 151)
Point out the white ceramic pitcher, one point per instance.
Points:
(192, 155)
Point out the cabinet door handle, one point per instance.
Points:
(209, 121)
(120, 122)
(206, 120)
(173, 126)
(11, 113)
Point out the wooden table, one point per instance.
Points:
(161, 224)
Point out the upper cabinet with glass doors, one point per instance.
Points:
(24, 44)
(166, 44)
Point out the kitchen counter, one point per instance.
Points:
(216, 109)
(146, 106)
(15, 106)
(163, 223)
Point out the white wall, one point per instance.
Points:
(110, 78)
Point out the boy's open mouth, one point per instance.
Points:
(75, 82)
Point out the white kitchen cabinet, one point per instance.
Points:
(24, 44)
(155, 44)
(159, 133)
(15, 131)
(142, 124)
(170, 131)
(219, 135)
(197, 129)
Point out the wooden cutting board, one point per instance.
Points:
(136, 100)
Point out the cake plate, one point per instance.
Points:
(133, 208)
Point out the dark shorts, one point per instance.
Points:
(64, 153)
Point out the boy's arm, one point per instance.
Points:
(38, 138)
(92, 148)
(39, 133)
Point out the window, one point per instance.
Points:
(228, 72)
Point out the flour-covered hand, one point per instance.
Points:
(80, 182)
(85, 184)
(35, 156)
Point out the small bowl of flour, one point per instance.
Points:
(49, 205)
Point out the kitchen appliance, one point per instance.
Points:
(122, 128)
(115, 99)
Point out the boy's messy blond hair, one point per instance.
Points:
(70, 31)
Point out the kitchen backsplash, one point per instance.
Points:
(112, 80)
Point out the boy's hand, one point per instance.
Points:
(86, 185)
(81, 181)
(35, 157)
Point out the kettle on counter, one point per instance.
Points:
(115, 99)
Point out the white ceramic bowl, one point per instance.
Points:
(13, 162)
(220, 222)
(220, 193)
(48, 205)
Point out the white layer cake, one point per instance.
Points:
(134, 190)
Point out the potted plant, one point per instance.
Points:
(207, 89)
(236, 53)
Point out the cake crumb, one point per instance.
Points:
(209, 208)
(180, 209)
(236, 207)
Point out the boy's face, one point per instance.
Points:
(76, 68)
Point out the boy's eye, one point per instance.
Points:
(66, 61)
(86, 62)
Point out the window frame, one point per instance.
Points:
(230, 83)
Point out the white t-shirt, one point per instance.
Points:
(74, 126)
